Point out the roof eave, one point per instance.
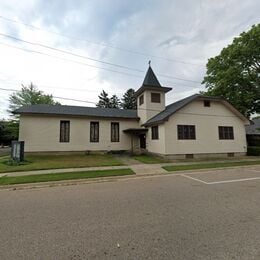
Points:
(154, 88)
(159, 122)
(70, 115)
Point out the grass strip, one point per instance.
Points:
(7, 180)
(149, 159)
(172, 168)
(58, 161)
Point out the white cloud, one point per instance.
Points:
(187, 30)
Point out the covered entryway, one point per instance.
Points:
(142, 138)
(139, 133)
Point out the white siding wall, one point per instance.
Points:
(206, 121)
(148, 109)
(42, 133)
(156, 146)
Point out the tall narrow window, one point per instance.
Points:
(64, 131)
(141, 100)
(94, 132)
(155, 98)
(206, 103)
(155, 132)
(186, 132)
(226, 132)
(114, 132)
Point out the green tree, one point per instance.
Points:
(114, 102)
(104, 100)
(29, 95)
(128, 100)
(235, 73)
(8, 131)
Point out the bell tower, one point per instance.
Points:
(150, 97)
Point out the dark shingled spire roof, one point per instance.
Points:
(150, 79)
(151, 82)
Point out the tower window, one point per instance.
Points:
(155, 98)
(141, 100)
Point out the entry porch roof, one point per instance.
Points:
(136, 131)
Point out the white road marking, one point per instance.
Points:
(235, 180)
(195, 179)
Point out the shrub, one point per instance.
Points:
(253, 150)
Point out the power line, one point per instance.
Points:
(85, 64)
(12, 82)
(155, 110)
(100, 44)
(73, 61)
(71, 99)
(69, 53)
(47, 86)
(88, 58)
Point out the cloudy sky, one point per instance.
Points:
(75, 48)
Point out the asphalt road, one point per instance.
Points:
(172, 217)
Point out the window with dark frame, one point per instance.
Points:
(114, 132)
(206, 103)
(226, 132)
(155, 97)
(64, 131)
(186, 132)
(155, 132)
(141, 100)
(94, 132)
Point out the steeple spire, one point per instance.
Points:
(150, 78)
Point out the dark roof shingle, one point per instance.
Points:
(170, 109)
(150, 79)
(151, 83)
(77, 111)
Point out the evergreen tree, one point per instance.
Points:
(128, 100)
(114, 102)
(104, 100)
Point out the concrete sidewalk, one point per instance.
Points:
(139, 169)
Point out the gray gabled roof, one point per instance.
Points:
(170, 109)
(254, 128)
(174, 107)
(77, 111)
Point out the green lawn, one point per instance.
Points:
(208, 165)
(144, 158)
(55, 161)
(63, 176)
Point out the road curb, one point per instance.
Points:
(38, 185)
(110, 179)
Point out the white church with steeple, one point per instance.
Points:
(195, 126)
